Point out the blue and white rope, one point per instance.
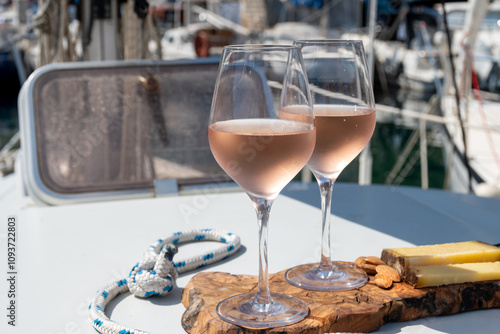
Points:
(156, 273)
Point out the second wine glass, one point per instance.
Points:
(344, 110)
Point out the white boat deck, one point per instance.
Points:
(66, 253)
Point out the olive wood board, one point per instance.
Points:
(361, 310)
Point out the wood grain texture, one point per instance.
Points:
(360, 310)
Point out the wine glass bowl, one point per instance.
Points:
(261, 132)
(256, 153)
(345, 119)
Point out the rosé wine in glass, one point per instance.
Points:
(342, 133)
(344, 111)
(265, 153)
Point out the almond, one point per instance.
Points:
(370, 268)
(389, 271)
(383, 281)
(367, 268)
(374, 260)
(360, 261)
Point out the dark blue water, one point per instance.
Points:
(386, 145)
(9, 88)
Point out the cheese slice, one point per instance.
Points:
(427, 276)
(450, 253)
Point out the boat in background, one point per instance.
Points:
(194, 31)
(423, 65)
(474, 135)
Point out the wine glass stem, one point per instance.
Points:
(325, 188)
(263, 298)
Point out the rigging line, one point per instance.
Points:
(457, 101)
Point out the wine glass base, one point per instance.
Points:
(341, 277)
(241, 310)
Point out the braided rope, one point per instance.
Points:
(156, 273)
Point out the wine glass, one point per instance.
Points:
(261, 132)
(344, 110)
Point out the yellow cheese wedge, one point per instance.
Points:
(427, 276)
(450, 253)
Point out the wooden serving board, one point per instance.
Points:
(361, 310)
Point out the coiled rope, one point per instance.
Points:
(156, 273)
